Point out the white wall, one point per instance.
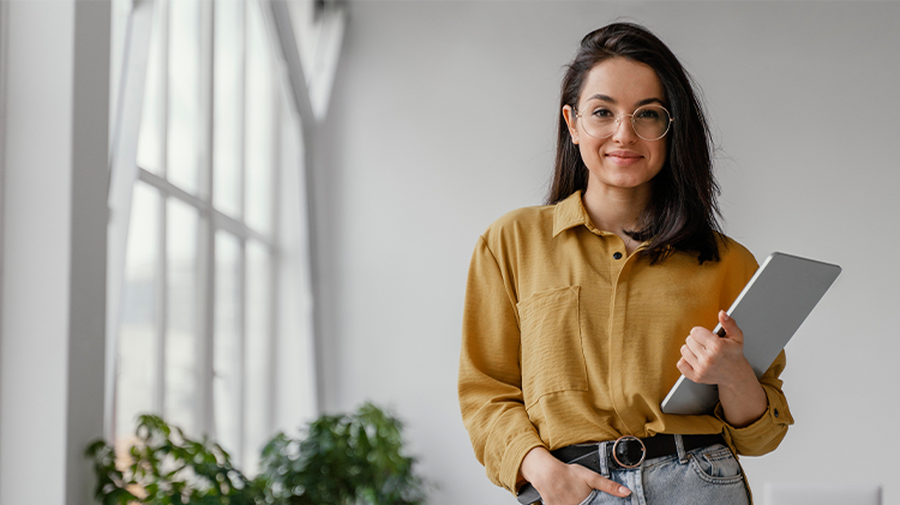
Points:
(443, 119)
(54, 248)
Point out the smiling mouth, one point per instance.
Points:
(624, 158)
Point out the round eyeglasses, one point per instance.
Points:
(650, 122)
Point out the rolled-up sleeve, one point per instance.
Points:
(490, 383)
(766, 433)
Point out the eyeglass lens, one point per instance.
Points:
(650, 122)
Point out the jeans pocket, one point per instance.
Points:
(717, 465)
(589, 498)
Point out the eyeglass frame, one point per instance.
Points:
(633, 128)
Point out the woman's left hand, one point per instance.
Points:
(707, 358)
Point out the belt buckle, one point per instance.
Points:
(625, 452)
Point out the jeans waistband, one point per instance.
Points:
(598, 456)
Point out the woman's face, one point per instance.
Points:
(618, 86)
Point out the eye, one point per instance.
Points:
(648, 114)
(603, 113)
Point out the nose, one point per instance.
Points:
(624, 132)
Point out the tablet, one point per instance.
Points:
(776, 301)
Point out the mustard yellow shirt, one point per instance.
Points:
(566, 339)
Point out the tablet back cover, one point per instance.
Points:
(769, 310)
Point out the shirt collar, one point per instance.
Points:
(571, 213)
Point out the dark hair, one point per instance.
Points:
(683, 213)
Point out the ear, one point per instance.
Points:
(569, 116)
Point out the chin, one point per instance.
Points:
(629, 183)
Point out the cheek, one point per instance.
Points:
(587, 151)
(658, 155)
(590, 147)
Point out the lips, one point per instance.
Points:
(624, 158)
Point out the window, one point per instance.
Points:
(203, 334)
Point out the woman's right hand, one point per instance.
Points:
(563, 484)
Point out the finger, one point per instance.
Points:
(601, 483)
(685, 368)
(703, 336)
(730, 326)
(609, 487)
(694, 372)
(696, 348)
(690, 365)
(688, 356)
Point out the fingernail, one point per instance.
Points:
(725, 316)
(624, 490)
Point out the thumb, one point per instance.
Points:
(730, 327)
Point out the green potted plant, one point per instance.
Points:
(166, 467)
(347, 459)
(342, 460)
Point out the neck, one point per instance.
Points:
(616, 210)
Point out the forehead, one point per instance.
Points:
(625, 82)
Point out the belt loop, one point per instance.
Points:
(603, 449)
(679, 448)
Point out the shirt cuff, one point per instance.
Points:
(764, 434)
(512, 458)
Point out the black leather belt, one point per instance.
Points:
(626, 452)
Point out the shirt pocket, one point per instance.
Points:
(552, 356)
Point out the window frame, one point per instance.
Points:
(211, 221)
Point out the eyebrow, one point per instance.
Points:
(607, 98)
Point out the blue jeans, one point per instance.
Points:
(705, 476)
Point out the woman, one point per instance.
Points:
(580, 315)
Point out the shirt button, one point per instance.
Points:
(617, 255)
(775, 411)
